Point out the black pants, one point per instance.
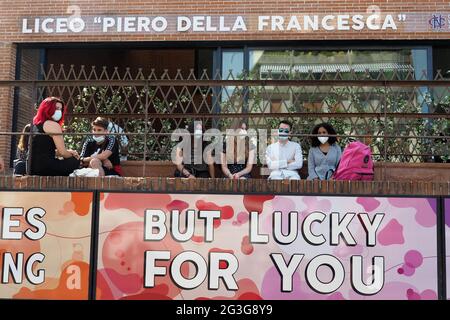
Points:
(54, 167)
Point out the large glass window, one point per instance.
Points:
(441, 95)
(232, 68)
(397, 64)
(401, 64)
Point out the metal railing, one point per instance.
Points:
(403, 119)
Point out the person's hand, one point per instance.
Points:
(191, 176)
(290, 161)
(236, 176)
(107, 164)
(74, 153)
(2, 164)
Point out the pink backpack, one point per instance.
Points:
(356, 163)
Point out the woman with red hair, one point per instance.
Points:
(50, 143)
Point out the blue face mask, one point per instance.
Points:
(57, 115)
(283, 134)
(99, 139)
(198, 133)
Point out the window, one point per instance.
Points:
(400, 64)
(232, 68)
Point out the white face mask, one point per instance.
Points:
(283, 137)
(57, 115)
(99, 139)
(198, 133)
(323, 139)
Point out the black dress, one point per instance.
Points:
(43, 161)
(237, 167)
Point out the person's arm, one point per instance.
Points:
(225, 170)
(274, 164)
(52, 127)
(83, 158)
(297, 163)
(180, 166)
(311, 166)
(104, 155)
(248, 168)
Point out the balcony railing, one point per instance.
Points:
(404, 119)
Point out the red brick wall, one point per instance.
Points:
(12, 12)
(29, 70)
(7, 64)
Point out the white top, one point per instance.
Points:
(278, 155)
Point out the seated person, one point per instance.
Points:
(284, 157)
(324, 155)
(101, 151)
(20, 163)
(237, 161)
(197, 166)
(45, 148)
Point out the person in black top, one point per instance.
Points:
(48, 144)
(101, 151)
(197, 166)
(238, 153)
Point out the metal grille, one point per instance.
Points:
(402, 117)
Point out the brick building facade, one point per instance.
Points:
(420, 23)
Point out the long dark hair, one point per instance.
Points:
(331, 140)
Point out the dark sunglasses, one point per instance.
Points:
(283, 130)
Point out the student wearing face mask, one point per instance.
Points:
(48, 143)
(324, 155)
(284, 157)
(101, 151)
(199, 165)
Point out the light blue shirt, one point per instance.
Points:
(322, 166)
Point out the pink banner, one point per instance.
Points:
(189, 246)
(45, 240)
